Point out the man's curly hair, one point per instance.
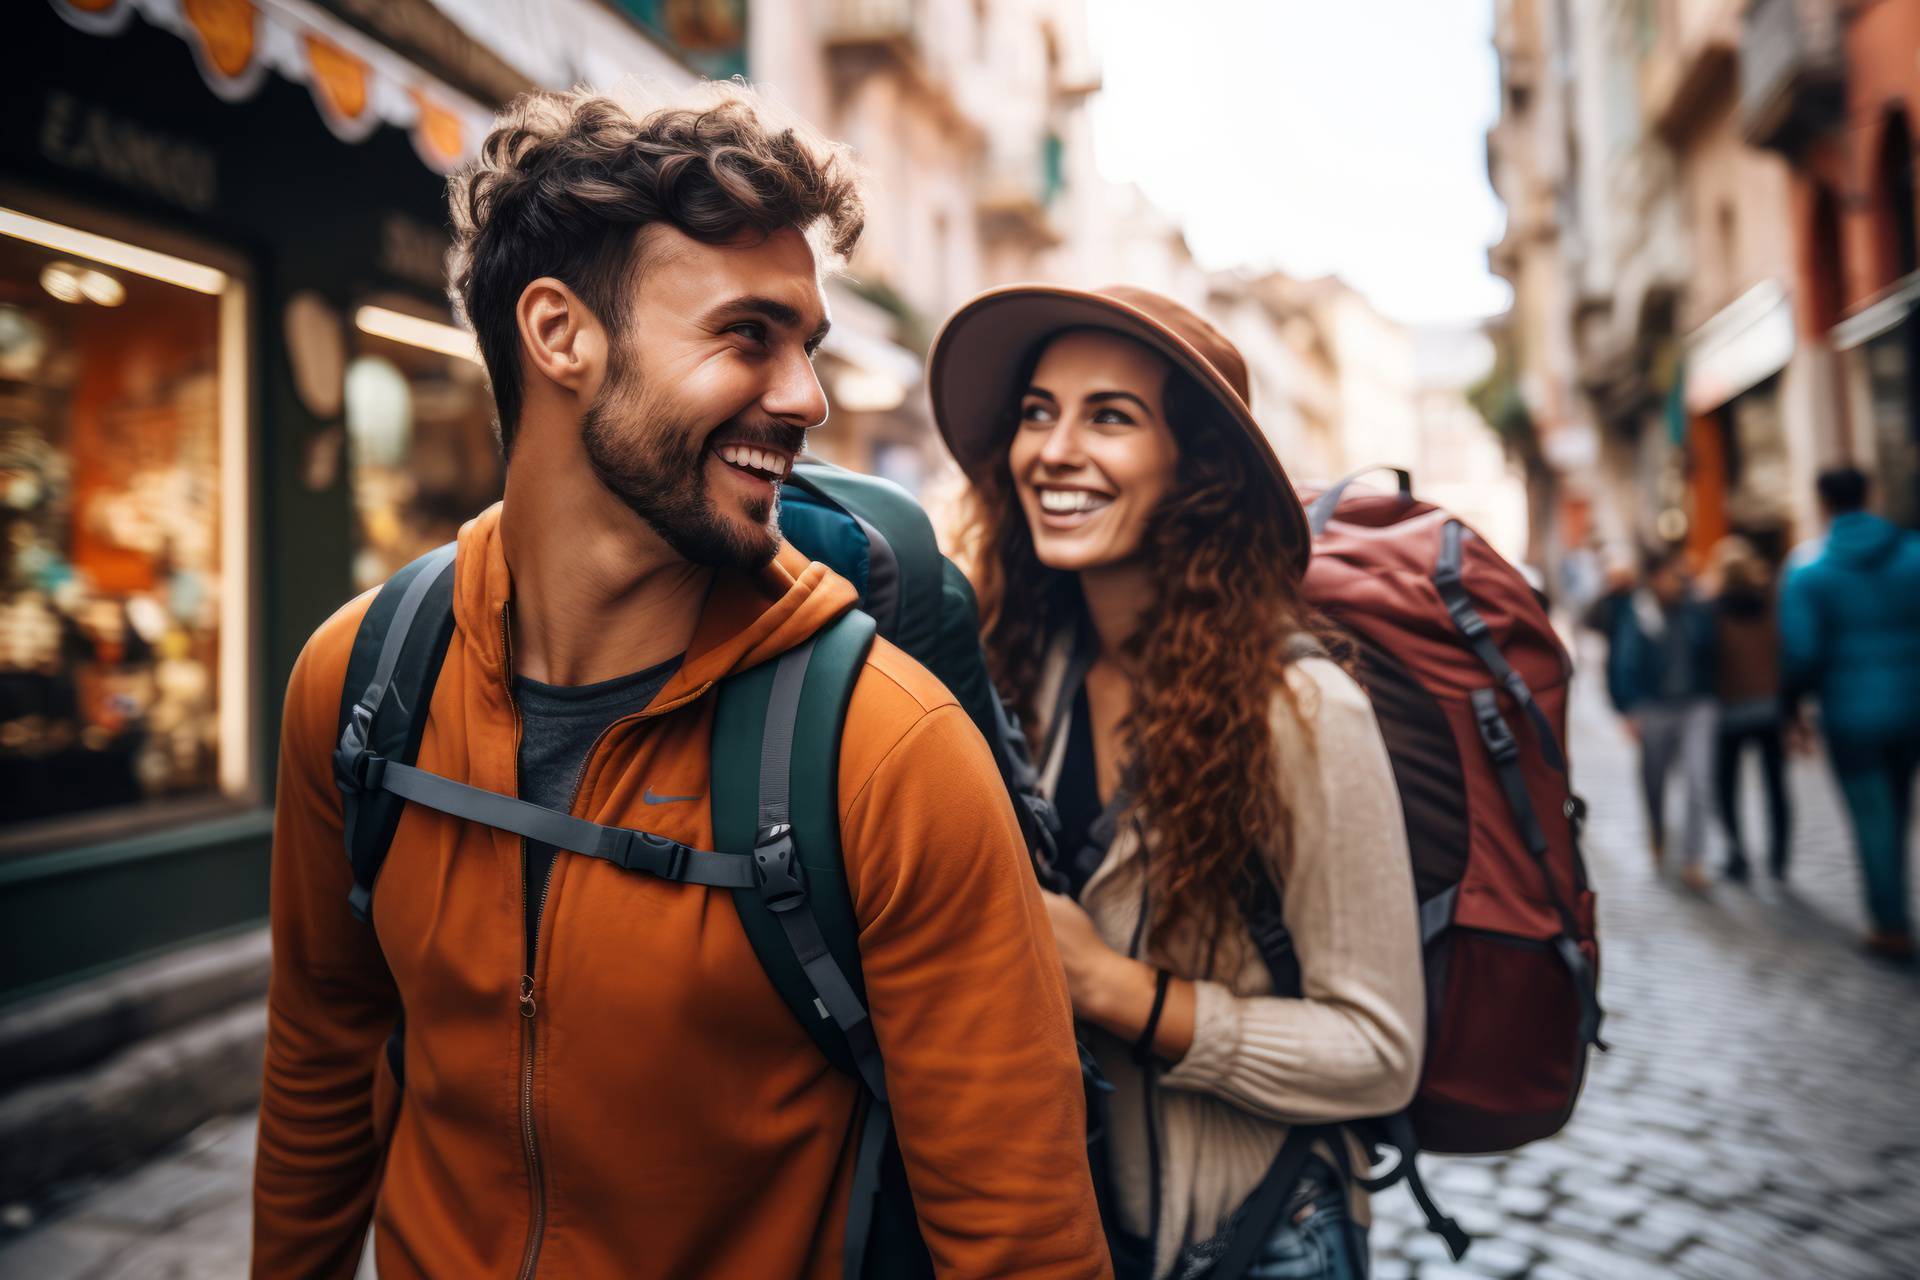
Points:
(566, 182)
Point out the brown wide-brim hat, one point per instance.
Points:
(981, 351)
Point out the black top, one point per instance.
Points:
(559, 724)
(1076, 799)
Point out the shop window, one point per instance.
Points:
(123, 504)
(420, 436)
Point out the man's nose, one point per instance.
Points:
(795, 395)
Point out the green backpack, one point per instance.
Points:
(774, 765)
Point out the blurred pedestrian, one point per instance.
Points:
(1618, 577)
(1850, 637)
(1747, 685)
(1139, 588)
(1660, 677)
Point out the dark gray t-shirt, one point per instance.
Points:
(558, 726)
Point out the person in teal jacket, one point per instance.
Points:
(1850, 637)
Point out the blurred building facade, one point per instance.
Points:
(1834, 89)
(1704, 197)
(969, 120)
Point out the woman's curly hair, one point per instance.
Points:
(1212, 656)
(565, 181)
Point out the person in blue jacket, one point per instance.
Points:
(1850, 637)
(1660, 676)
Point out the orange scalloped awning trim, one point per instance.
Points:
(441, 137)
(340, 77)
(225, 28)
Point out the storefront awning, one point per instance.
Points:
(1880, 314)
(1748, 342)
(357, 83)
(877, 374)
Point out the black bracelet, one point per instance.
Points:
(1143, 1047)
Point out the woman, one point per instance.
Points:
(1139, 569)
(1747, 687)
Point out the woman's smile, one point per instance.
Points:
(1069, 507)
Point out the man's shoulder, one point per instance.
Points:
(897, 686)
(320, 672)
(896, 700)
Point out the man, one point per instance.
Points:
(1850, 636)
(599, 1078)
(1660, 677)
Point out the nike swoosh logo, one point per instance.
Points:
(651, 798)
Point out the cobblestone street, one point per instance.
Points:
(1757, 1116)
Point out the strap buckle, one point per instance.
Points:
(355, 770)
(1494, 731)
(1460, 608)
(777, 873)
(646, 852)
(1585, 988)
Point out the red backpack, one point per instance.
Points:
(1469, 684)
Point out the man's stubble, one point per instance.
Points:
(645, 453)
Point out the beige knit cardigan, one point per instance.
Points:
(1349, 1047)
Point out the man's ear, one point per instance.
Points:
(560, 337)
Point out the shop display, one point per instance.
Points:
(109, 540)
(421, 448)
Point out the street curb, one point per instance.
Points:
(131, 1105)
(69, 1030)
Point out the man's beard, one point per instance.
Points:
(643, 452)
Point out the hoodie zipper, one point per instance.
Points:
(536, 1231)
(537, 1191)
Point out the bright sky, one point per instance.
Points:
(1314, 136)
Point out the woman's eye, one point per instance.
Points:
(1035, 413)
(1113, 417)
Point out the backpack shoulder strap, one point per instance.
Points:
(775, 753)
(391, 673)
(776, 757)
(1448, 568)
(1264, 913)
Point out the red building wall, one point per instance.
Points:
(1883, 78)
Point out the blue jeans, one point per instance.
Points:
(1316, 1239)
(1876, 778)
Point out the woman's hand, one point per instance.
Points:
(1113, 991)
(1085, 955)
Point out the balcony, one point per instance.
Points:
(885, 24)
(1519, 71)
(1516, 41)
(1695, 55)
(1792, 73)
(1018, 188)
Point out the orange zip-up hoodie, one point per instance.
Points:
(652, 1108)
